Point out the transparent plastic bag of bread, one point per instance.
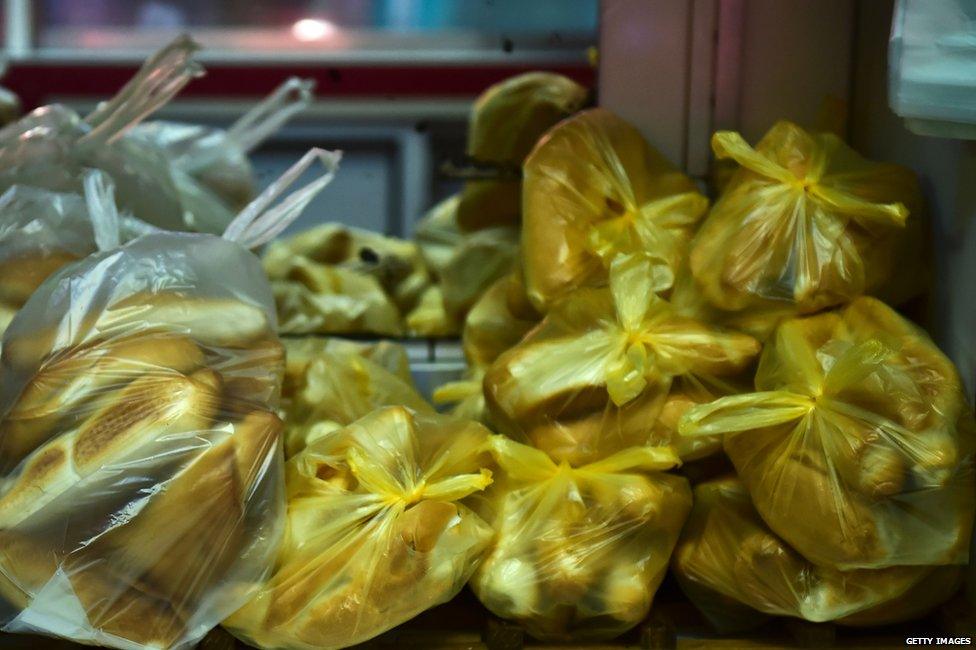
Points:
(337, 389)
(861, 424)
(733, 567)
(579, 551)
(141, 497)
(377, 531)
(612, 368)
(807, 223)
(41, 231)
(593, 190)
(218, 159)
(396, 264)
(506, 122)
(52, 146)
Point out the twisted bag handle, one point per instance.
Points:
(109, 227)
(254, 127)
(104, 215)
(258, 223)
(162, 76)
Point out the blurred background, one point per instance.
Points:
(395, 78)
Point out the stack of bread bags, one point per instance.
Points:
(471, 239)
(853, 499)
(141, 499)
(579, 354)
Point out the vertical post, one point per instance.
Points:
(18, 28)
(644, 69)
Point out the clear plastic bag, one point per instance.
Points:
(861, 425)
(579, 551)
(804, 223)
(727, 558)
(339, 387)
(218, 159)
(595, 375)
(41, 231)
(377, 531)
(141, 496)
(595, 191)
(506, 122)
(52, 146)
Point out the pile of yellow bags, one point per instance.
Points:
(621, 338)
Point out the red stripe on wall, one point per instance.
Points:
(35, 83)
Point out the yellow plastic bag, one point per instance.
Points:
(595, 375)
(301, 351)
(429, 318)
(338, 388)
(805, 222)
(466, 395)
(437, 235)
(479, 259)
(506, 121)
(465, 264)
(376, 531)
(861, 425)
(594, 190)
(727, 558)
(313, 298)
(579, 551)
(396, 264)
(499, 320)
